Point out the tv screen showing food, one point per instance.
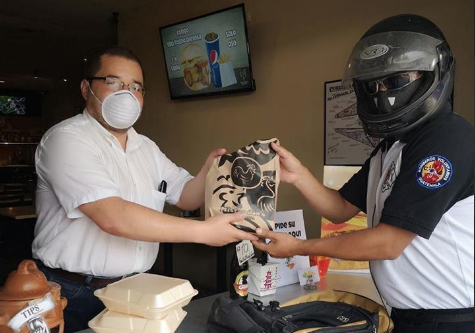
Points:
(208, 55)
(20, 103)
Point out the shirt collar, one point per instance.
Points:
(133, 138)
(445, 109)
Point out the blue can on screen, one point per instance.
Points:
(212, 48)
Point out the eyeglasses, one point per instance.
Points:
(393, 82)
(115, 84)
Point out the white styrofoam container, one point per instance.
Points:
(147, 295)
(114, 322)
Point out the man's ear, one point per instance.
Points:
(84, 89)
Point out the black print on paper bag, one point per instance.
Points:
(245, 181)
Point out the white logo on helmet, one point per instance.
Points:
(374, 51)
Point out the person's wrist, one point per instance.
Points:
(301, 177)
(301, 248)
(197, 232)
(203, 172)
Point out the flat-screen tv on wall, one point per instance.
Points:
(20, 103)
(208, 55)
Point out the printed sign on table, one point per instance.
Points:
(290, 222)
(308, 276)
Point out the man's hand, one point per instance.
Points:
(291, 170)
(281, 245)
(218, 230)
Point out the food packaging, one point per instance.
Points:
(245, 181)
(228, 77)
(262, 279)
(29, 302)
(147, 295)
(113, 322)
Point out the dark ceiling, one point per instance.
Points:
(43, 42)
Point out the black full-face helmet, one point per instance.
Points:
(400, 44)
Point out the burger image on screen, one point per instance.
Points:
(195, 67)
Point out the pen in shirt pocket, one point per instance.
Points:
(162, 187)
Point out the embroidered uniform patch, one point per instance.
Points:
(434, 172)
(390, 178)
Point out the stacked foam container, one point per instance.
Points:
(145, 303)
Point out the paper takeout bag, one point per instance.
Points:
(245, 181)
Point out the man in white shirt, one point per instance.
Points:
(98, 199)
(416, 188)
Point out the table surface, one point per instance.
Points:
(19, 212)
(198, 311)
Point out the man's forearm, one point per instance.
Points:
(193, 194)
(126, 219)
(383, 242)
(327, 202)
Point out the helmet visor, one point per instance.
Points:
(375, 57)
(392, 82)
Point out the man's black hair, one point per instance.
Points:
(93, 63)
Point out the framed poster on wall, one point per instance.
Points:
(346, 143)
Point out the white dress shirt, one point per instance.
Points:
(78, 161)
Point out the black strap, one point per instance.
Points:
(283, 326)
(232, 305)
(441, 316)
(456, 318)
(255, 329)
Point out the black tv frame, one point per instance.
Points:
(214, 93)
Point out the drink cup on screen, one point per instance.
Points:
(212, 49)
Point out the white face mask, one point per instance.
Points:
(121, 109)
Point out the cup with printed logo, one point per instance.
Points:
(212, 49)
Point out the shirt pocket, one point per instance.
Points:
(159, 199)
